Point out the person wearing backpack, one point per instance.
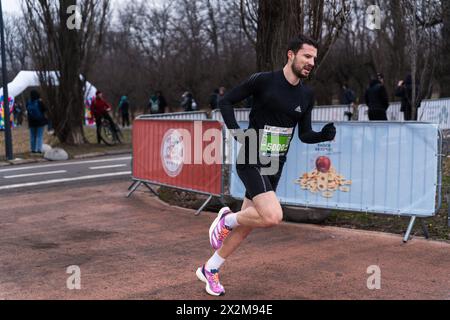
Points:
(124, 107)
(187, 102)
(18, 114)
(153, 104)
(36, 121)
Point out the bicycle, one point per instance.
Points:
(110, 132)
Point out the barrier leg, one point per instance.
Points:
(222, 202)
(150, 188)
(408, 231)
(448, 210)
(133, 187)
(425, 229)
(203, 206)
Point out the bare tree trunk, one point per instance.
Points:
(281, 20)
(213, 31)
(414, 61)
(445, 80)
(398, 40)
(69, 125)
(69, 50)
(278, 22)
(248, 10)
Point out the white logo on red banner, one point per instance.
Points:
(172, 152)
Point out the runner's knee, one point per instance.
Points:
(272, 217)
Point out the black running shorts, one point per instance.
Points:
(256, 183)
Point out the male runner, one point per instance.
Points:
(280, 102)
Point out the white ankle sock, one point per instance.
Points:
(215, 262)
(231, 220)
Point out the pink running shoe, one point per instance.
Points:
(218, 230)
(213, 286)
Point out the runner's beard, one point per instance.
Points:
(298, 71)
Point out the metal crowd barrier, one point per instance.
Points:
(390, 168)
(321, 113)
(241, 114)
(194, 115)
(330, 113)
(171, 153)
(436, 111)
(393, 112)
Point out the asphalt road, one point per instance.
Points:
(41, 176)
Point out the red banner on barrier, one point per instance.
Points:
(184, 154)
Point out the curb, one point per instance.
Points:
(88, 155)
(100, 154)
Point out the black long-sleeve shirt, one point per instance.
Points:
(276, 103)
(376, 96)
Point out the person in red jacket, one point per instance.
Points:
(100, 109)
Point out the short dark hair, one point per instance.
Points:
(297, 43)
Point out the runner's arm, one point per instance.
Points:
(236, 95)
(305, 132)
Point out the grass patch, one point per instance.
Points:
(93, 146)
(21, 143)
(437, 225)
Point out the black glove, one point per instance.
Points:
(328, 132)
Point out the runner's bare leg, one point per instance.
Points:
(264, 211)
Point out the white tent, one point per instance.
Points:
(26, 79)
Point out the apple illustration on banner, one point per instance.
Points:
(323, 164)
(324, 179)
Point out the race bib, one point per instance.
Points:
(275, 141)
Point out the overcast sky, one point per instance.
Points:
(11, 6)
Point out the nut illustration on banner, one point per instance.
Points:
(324, 179)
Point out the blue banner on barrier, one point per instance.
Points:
(379, 167)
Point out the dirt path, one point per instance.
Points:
(140, 248)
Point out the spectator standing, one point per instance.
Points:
(187, 102)
(18, 114)
(36, 121)
(348, 98)
(100, 109)
(377, 99)
(124, 108)
(404, 91)
(214, 99)
(153, 104)
(162, 103)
